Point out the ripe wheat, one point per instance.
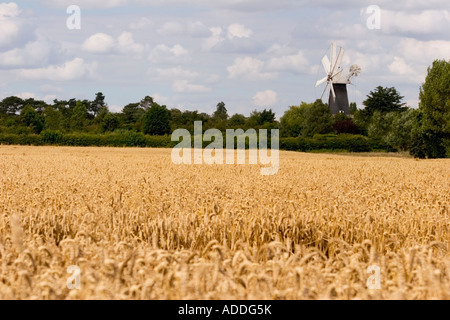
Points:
(140, 227)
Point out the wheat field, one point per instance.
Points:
(139, 227)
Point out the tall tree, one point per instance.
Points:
(221, 112)
(146, 103)
(383, 100)
(30, 118)
(110, 122)
(79, 117)
(318, 120)
(98, 103)
(259, 118)
(237, 121)
(132, 113)
(293, 120)
(53, 118)
(11, 105)
(432, 135)
(156, 121)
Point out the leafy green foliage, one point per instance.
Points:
(432, 131)
(110, 122)
(318, 120)
(383, 100)
(156, 121)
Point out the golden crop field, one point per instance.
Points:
(139, 227)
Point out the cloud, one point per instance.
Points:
(142, 23)
(179, 73)
(291, 63)
(127, 45)
(25, 95)
(249, 68)
(33, 54)
(233, 39)
(238, 31)
(165, 54)
(423, 52)
(99, 43)
(47, 88)
(215, 38)
(235, 5)
(419, 23)
(71, 70)
(10, 26)
(183, 86)
(171, 28)
(265, 98)
(400, 67)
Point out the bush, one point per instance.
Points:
(52, 137)
(22, 140)
(351, 143)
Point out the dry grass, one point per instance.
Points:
(140, 227)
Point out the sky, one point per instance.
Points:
(191, 55)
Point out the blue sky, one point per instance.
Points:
(251, 54)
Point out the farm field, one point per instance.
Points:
(140, 227)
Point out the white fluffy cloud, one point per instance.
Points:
(183, 86)
(249, 68)
(420, 23)
(127, 45)
(215, 38)
(33, 54)
(265, 98)
(71, 70)
(99, 43)
(166, 54)
(424, 52)
(400, 67)
(238, 31)
(290, 63)
(10, 26)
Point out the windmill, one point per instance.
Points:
(337, 80)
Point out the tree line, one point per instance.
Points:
(385, 119)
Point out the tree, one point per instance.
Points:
(383, 100)
(110, 122)
(260, 118)
(432, 131)
(353, 108)
(146, 103)
(221, 112)
(11, 105)
(293, 120)
(38, 105)
(318, 120)
(156, 121)
(132, 113)
(98, 103)
(79, 117)
(30, 118)
(400, 135)
(380, 125)
(53, 118)
(237, 121)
